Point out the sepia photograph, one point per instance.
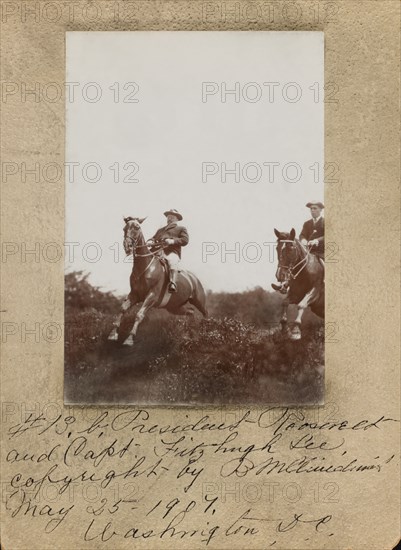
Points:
(195, 213)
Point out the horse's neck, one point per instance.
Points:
(301, 250)
(143, 256)
(302, 254)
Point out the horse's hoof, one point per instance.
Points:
(113, 336)
(129, 341)
(284, 328)
(295, 334)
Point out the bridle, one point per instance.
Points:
(290, 268)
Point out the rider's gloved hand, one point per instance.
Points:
(313, 242)
(150, 242)
(169, 241)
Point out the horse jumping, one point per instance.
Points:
(303, 274)
(149, 282)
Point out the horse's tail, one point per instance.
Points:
(198, 298)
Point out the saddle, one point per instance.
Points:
(320, 259)
(166, 266)
(165, 295)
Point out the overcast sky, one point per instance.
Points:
(174, 127)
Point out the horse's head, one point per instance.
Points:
(286, 253)
(132, 233)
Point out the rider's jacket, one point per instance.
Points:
(311, 230)
(172, 231)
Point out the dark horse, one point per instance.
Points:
(304, 275)
(149, 281)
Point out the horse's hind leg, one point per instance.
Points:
(199, 297)
(200, 306)
(185, 310)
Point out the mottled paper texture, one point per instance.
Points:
(225, 478)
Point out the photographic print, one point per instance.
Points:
(194, 267)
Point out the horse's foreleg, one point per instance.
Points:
(126, 305)
(149, 302)
(303, 304)
(284, 318)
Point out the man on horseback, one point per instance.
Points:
(311, 236)
(148, 276)
(173, 237)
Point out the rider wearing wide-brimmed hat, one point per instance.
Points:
(173, 236)
(311, 236)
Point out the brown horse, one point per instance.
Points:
(149, 281)
(304, 274)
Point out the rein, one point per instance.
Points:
(153, 254)
(292, 267)
(135, 246)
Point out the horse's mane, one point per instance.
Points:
(300, 246)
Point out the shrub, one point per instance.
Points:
(228, 358)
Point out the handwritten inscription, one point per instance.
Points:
(126, 475)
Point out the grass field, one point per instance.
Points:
(237, 356)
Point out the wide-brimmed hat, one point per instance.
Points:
(174, 212)
(315, 203)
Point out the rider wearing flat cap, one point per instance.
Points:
(311, 236)
(173, 236)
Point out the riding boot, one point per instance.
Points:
(172, 287)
